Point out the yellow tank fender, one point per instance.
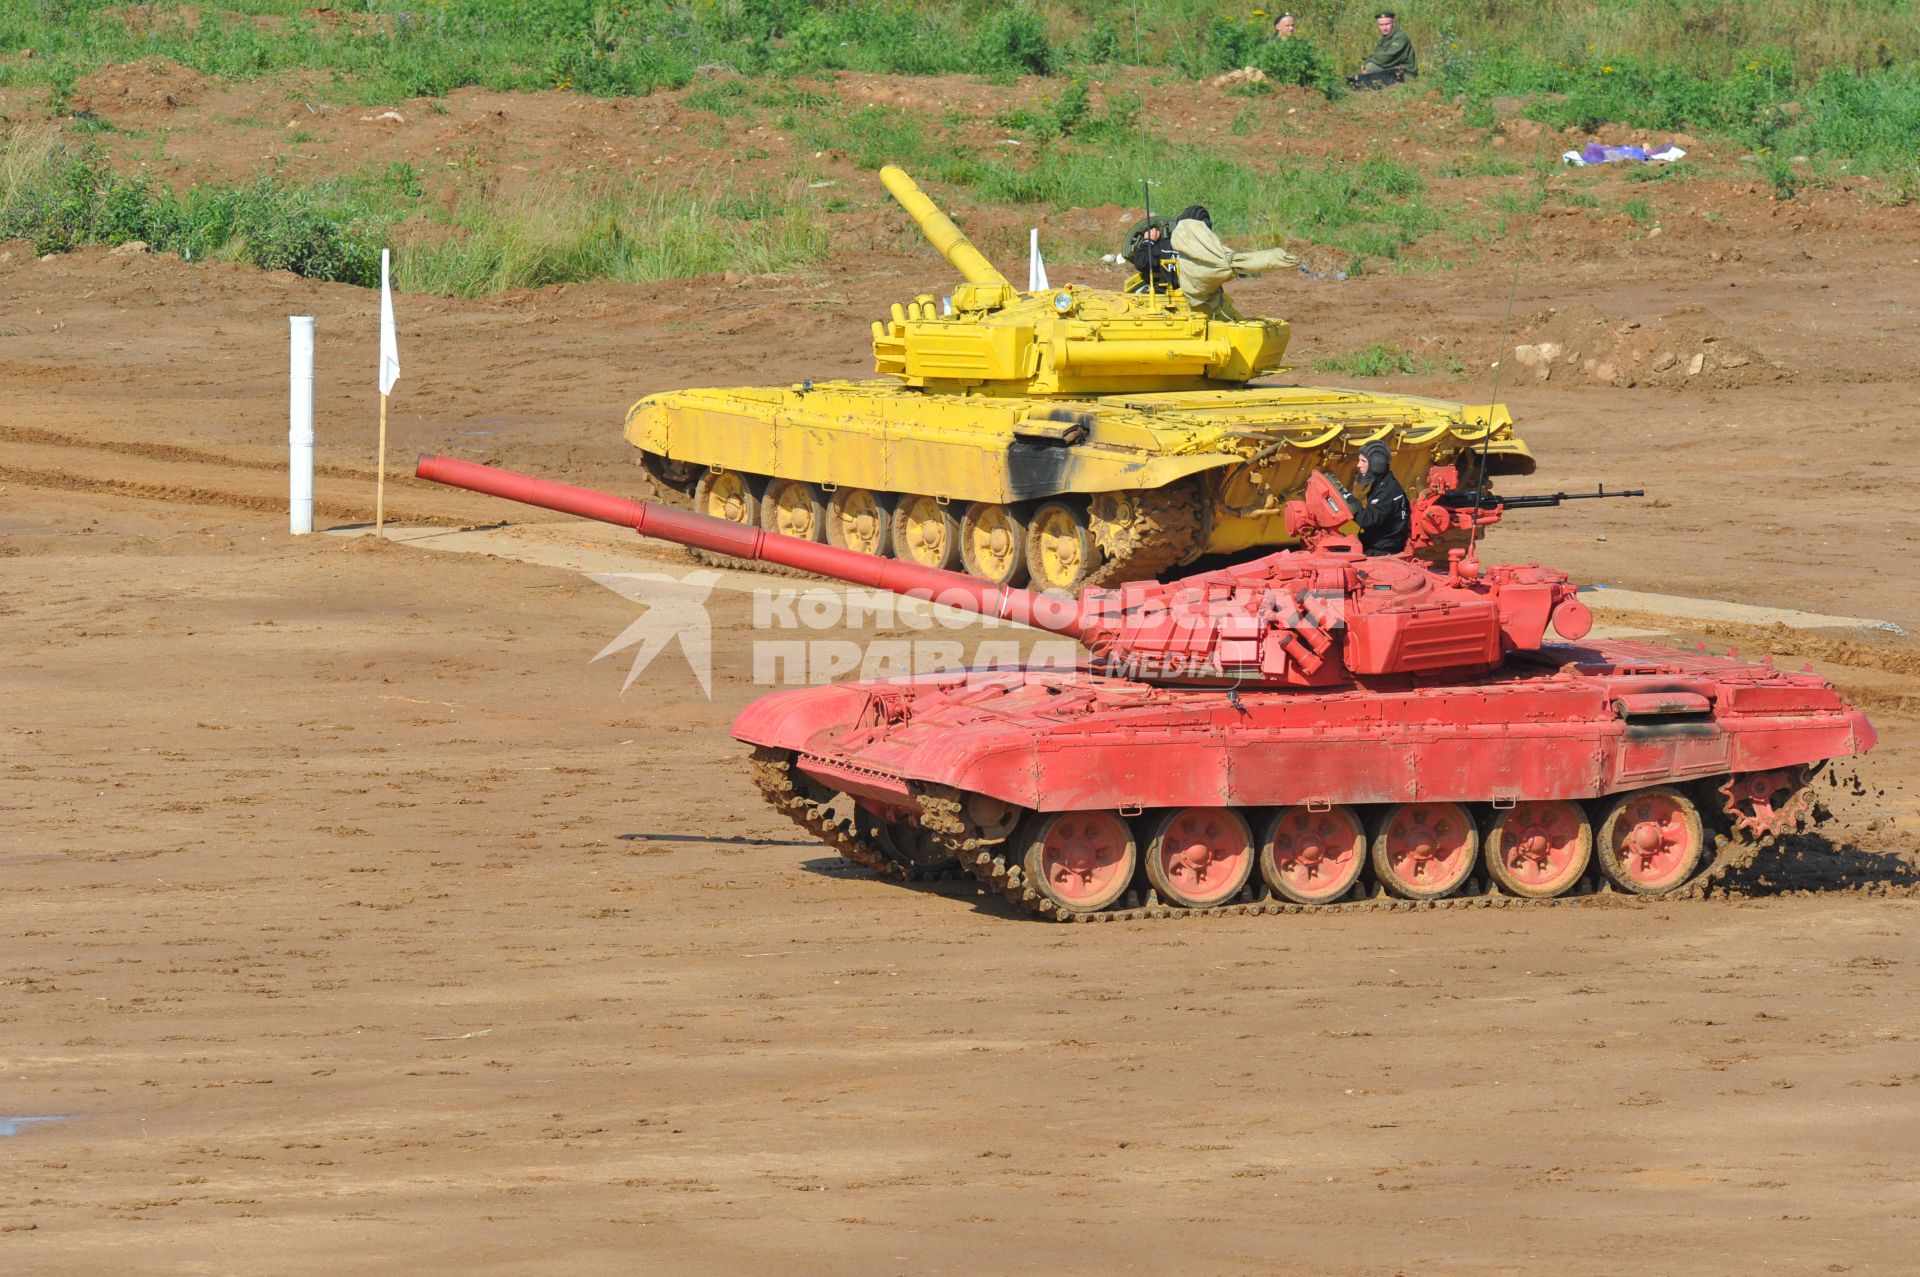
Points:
(975, 449)
(1002, 449)
(1506, 454)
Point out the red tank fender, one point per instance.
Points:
(1570, 722)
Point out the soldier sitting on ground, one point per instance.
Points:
(1392, 60)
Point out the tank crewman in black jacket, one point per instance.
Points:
(1383, 515)
(1152, 255)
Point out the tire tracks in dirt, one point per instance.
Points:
(167, 452)
(51, 460)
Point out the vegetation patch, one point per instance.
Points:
(61, 198)
(1382, 360)
(1808, 90)
(615, 233)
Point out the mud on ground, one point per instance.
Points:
(356, 921)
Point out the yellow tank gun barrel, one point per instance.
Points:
(940, 231)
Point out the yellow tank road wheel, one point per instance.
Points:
(925, 532)
(993, 543)
(1061, 551)
(859, 520)
(727, 494)
(793, 509)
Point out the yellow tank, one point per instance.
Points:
(1063, 437)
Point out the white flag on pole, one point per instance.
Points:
(1036, 269)
(389, 344)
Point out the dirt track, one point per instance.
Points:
(357, 923)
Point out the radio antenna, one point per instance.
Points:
(1153, 256)
(1493, 406)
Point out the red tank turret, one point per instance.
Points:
(1327, 617)
(1311, 728)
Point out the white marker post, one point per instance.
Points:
(1036, 269)
(300, 428)
(389, 373)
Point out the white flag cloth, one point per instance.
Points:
(389, 344)
(1036, 269)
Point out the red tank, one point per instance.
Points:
(1309, 730)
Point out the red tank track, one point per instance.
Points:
(773, 774)
(940, 813)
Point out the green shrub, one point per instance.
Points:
(1014, 40)
(1778, 170)
(62, 199)
(1874, 117)
(1228, 44)
(724, 97)
(1058, 116)
(1382, 360)
(1099, 45)
(1300, 62)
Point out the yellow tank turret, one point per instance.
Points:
(997, 340)
(1068, 436)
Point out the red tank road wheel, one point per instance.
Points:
(1424, 850)
(1313, 857)
(1199, 856)
(729, 495)
(793, 509)
(1539, 849)
(1651, 840)
(1081, 860)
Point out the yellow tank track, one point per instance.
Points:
(1165, 531)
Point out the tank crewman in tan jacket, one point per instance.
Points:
(1206, 264)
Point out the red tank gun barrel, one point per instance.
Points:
(954, 589)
